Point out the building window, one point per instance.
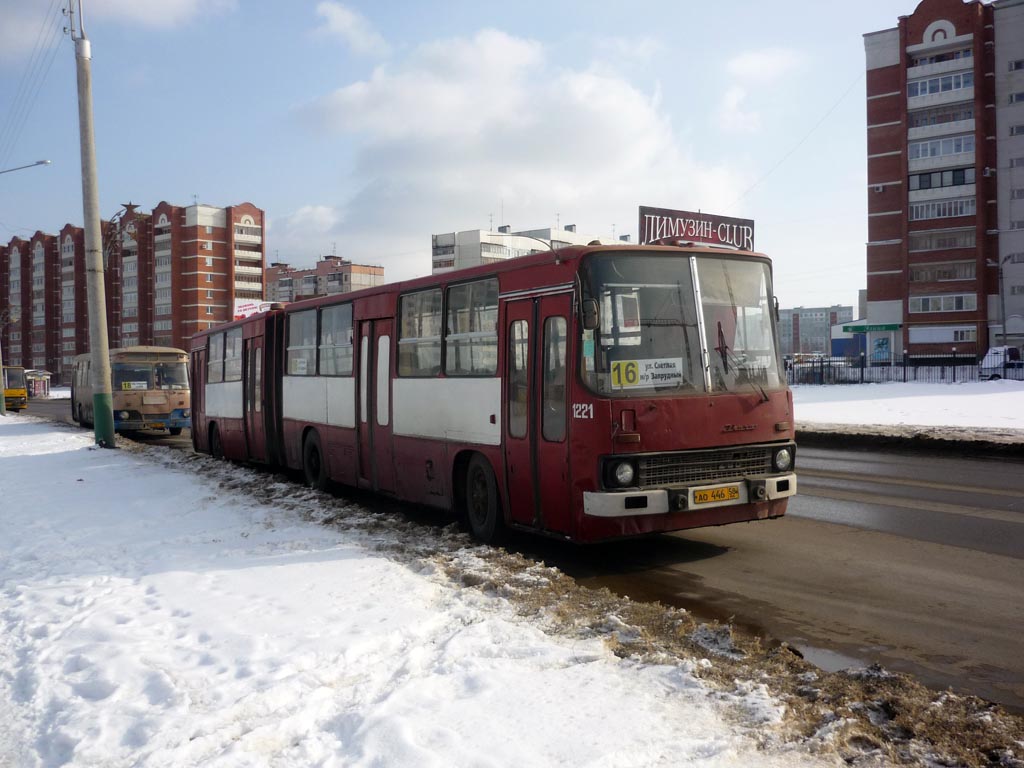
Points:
(1016, 98)
(951, 145)
(209, 277)
(209, 261)
(1017, 290)
(942, 84)
(1015, 258)
(956, 177)
(952, 302)
(953, 270)
(940, 115)
(1017, 194)
(1017, 130)
(1017, 162)
(209, 310)
(1016, 64)
(209, 294)
(419, 341)
(207, 245)
(471, 342)
(943, 209)
(920, 61)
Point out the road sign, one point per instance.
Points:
(867, 328)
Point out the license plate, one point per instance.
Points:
(711, 495)
(156, 425)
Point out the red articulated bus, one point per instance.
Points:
(587, 393)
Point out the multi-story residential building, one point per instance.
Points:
(806, 330)
(168, 274)
(945, 133)
(330, 275)
(470, 248)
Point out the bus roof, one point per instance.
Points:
(139, 352)
(561, 259)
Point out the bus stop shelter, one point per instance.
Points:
(38, 383)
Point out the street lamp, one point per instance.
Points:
(30, 165)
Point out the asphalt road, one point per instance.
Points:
(914, 561)
(60, 410)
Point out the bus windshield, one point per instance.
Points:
(14, 378)
(131, 376)
(648, 340)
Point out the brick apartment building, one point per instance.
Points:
(168, 274)
(945, 144)
(330, 275)
(809, 329)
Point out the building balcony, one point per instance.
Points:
(244, 285)
(941, 193)
(254, 239)
(246, 269)
(940, 99)
(163, 237)
(945, 161)
(248, 255)
(940, 68)
(940, 129)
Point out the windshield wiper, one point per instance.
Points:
(739, 364)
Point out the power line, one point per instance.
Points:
(36, 70)
(799, 144)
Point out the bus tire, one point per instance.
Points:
(483, 512)
(175, 431)
(216, 448)
(313, 462)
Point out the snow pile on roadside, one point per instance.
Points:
(149, 618)
(980, 410)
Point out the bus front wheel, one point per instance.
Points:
(483, 512)
(313, 463)
(175, 430)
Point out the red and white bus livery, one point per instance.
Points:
(587, 393)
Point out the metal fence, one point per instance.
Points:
(861, 370)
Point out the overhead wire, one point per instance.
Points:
(40, 61)
(799, 144)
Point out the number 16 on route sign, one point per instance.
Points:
(625, 373)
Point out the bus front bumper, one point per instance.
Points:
(16, 403)
(174, 420)
(661, 501)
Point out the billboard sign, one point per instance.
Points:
(244, 308)
(660, 223)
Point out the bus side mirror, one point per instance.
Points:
(591, 318)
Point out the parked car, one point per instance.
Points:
(999, 362)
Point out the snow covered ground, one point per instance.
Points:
(986, 411)
(162, 609)
(149, 618)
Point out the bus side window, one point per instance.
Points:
(554, 399)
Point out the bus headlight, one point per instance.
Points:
(624, 473)
(783, 459)
(186, 414)
(123, 415)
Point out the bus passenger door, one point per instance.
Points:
(376, 463)
(255, 430)
(536, 440)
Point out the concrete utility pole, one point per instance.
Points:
(102, 400)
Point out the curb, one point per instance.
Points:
(939, 440)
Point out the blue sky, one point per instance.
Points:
(367, 126)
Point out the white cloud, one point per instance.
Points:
(764, 66)
(733, 117)
(352, 28)
(753, 71)
(467, 128)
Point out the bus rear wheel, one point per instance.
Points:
(216, 449)
(313, 463)
(483, 512)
